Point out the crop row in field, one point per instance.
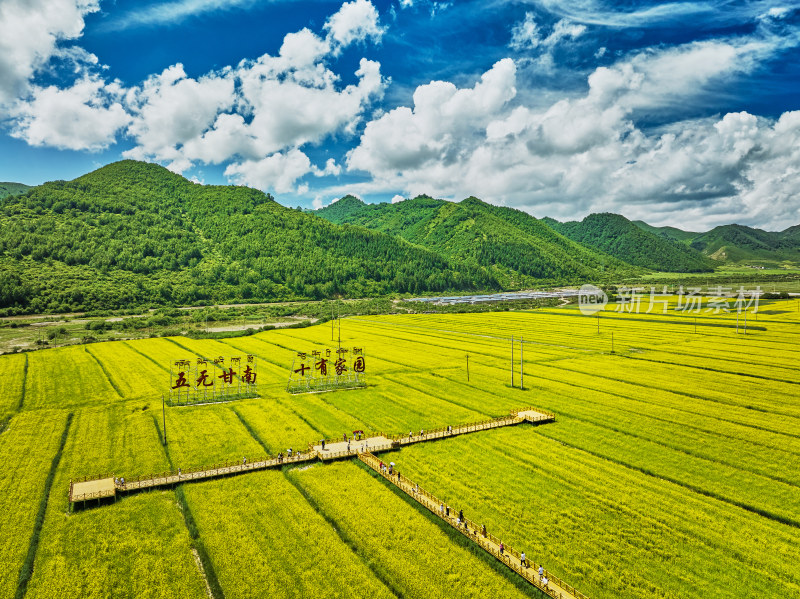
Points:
(589, 495)
(27, 449)
(415, 555)
(609, 530)
(140, 547)
(266, 540)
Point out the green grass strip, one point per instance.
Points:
(194, 532)
(197, 544)
(252, 432)
(156, 362)
(380, 574)
(24, 384)
(26, 571)
(103, 368)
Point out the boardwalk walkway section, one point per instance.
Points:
(547, 583)
(364, 447)
(106, 486)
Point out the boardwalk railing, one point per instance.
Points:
(386, 442)
(490, 543)
(452, 431)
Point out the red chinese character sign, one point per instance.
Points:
(206, 380)
(327, 370)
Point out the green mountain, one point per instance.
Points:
(737, 243)
(672, 233)
(133, 234)
(12, 189)
(519, 249)
(616, 235)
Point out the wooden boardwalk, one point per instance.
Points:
(546, 582)
(106, 486)
(100, 487)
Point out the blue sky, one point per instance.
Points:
(679, 113)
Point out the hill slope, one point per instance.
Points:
(132, 234)
(521, 249)
(616, 235)
(672, 233)
(737, 243)
(12, 189)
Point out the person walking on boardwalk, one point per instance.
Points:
(398, 477)
(541, 572)
(545, 582)
(502, 548)
(344, 437)
(289, 452)
(323, 444)
(523, 563)
(483, 531)
(447, 509)
(441, 510)
(460, 515)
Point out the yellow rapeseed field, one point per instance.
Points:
(670, 472)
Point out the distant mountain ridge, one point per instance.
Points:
(134, 234)
(623, 239)
(520, 249)
(737, 243)
(12, 189)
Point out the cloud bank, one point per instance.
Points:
(498, 136)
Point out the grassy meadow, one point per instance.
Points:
(670, 472)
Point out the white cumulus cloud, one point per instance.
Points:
(86, 116)
(588, 153)
(30, 34)
(355, 21)
(277, 172)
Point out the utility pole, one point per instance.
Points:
(164, 416)
(512, 360)
(612, 342)
(467, 367)
(521, 366)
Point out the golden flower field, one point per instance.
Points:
(671, 470)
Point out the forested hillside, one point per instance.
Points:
(133, 234)
(616, 235)
(737, 243)
(11, 189)
(520, 249)
(668, 232)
